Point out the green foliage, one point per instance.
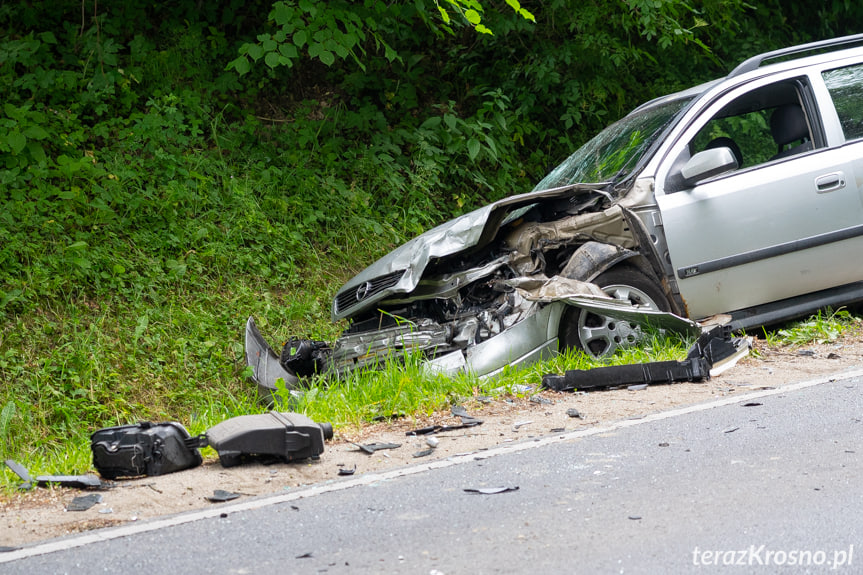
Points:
(820, 328)
(151, 200)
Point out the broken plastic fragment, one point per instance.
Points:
(424, 453)
(84, 502)
(220, 496)
(76, 481)
(372, 447)
(347, 470)
(490, 490)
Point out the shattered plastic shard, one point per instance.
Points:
(490, 490)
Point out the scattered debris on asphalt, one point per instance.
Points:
(220, 496)
(372, 447)
(490, 490)
(87, 481)
(84, 502)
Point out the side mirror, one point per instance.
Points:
(707, 164)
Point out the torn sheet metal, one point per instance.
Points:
(591, 298)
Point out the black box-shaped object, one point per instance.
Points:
(288, 436)
(143, 449)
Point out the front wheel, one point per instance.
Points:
(599, 335)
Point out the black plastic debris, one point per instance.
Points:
(752, 404)
(87, 481)
(696, 369)
(372, 447)
(84, 502)
(712, 347)
(143, 449)
(490, 490)
(305, 357)
(21, 472)
(221, 495)
(441, 428)
(287, 436)
(347, 470)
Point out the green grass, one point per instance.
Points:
(74, 367)
(823, 327)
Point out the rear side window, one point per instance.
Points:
(846, 89)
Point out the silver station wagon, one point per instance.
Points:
(741, 197)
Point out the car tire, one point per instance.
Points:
(599, 336)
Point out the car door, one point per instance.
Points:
(779, 226)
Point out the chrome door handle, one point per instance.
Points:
(830, 182)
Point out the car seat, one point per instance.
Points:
(788, 125)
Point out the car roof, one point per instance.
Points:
(756, 66)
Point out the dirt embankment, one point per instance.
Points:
(40, 514)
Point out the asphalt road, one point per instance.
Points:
(770, 487)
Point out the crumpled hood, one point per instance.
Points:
(400, 270)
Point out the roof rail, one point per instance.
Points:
(756, 61)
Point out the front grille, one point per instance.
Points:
(351, 297)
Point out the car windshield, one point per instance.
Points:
(613, 153)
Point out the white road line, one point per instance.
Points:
(370, 478)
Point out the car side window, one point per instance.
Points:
(766, 124)
(845, 85)
(747, 135)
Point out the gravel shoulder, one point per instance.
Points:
(38, 515)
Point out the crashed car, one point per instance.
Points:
(741, 197)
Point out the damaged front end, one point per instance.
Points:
(481, 292)
(512, 282)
